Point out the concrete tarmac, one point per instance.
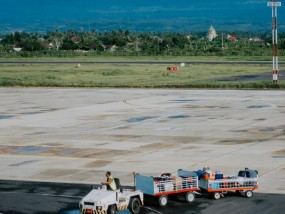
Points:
(75, 135)
(50, 198)
(254, 77)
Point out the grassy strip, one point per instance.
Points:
(142, 76)
(198, 85)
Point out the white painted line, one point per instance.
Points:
(148, 208)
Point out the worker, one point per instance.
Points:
(110, 183)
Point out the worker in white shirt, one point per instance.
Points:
(110, 183)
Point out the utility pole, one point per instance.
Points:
(274, 4)
(223, 41)
(137, 44)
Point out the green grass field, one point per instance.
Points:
(120, 75)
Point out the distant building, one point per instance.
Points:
(258, 40)
(48, 45)
(111, 48)
(17, 49)
(232, 38)
(212, 34)
(76, 39)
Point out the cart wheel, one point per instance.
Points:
(112, 209)
(189, 197)
(248, 194)
(162, 200)
(135, 206)
(217, 195)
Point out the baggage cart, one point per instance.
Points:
(243, 184)
(161, 189)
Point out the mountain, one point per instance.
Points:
(136, 15)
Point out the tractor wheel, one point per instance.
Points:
(135, 205)
(112, 209)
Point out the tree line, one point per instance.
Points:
(124, 42)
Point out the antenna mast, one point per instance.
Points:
(274, 4)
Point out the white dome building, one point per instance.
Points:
(212, 34)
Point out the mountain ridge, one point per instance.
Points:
(136, 15)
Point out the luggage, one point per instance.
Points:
(219, 176)
(168, 187)
(200, 173)
(248, 173)
(185, 174)
(215, 185)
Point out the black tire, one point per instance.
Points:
(248, 193)
(112, 209)
(216, 195)
(163, 200)
(189, 197)
(134, 205)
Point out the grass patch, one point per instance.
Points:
(130, 75)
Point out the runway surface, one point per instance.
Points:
(75, 135)
(51, 198)
(254, 77)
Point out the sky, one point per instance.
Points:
(140, 15)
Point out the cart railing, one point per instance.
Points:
(150, 186)
(234, 183)
(176, 184)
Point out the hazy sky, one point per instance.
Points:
(125, 8)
